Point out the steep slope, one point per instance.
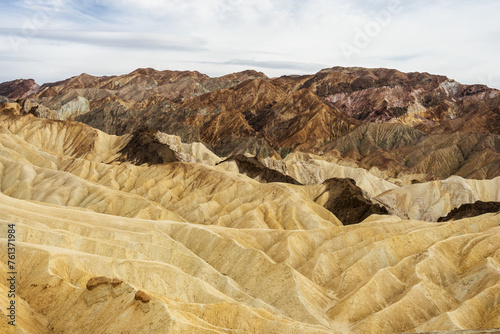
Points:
(310, 169)
(432, 200)
(149, 293)
(303, 122)
(401, 150)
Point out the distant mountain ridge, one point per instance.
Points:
(400, 123)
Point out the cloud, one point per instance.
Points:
(110, 39)
(16, 58)
(454, 38)
(302, 67)
(287, 65)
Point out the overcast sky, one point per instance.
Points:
(52, 40)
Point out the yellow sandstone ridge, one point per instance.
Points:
(109, 247)
(432, 200)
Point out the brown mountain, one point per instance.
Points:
(419, 99)
(145, 82)
(400, 123)
(18, 89)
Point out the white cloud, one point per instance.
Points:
(128, 40)
(454, 38)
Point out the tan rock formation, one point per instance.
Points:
(202, 278)
(432, 200)
(179, 191)
(105, 246)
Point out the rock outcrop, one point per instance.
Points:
(347, 202)
(18, 89)
(471, 210)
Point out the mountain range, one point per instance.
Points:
(375, 118)
(352, 200)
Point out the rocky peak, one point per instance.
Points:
(18, 89)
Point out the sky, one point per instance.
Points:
(51, 40)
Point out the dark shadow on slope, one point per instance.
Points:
(471, 210)
(253, 168)
(347, 202)
(145, 148)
